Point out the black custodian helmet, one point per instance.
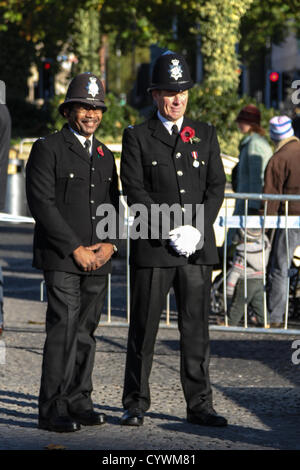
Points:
(85, 88)
(171, 72)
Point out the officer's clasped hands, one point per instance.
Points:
(102, 252)
(93, 257)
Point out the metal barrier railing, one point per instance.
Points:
(223, 222)
(263, 222)
(247, 221)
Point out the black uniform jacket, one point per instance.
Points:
(64, 189)
(154, 171)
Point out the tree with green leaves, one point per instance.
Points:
(86, 39)
(45, 26)
(178, 24)
(219, 25)
(266, 22)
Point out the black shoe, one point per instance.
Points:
(59, 424)
(132, 417)
(206, 418)
(89, 418)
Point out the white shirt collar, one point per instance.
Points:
(168, 124)
(82, 139)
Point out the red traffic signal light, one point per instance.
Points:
(47, 65)
(274, 76)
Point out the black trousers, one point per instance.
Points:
(73, 313)
(150, 286)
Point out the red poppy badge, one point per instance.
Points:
(188, 135)
(100, 151)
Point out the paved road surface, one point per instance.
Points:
(255, 382)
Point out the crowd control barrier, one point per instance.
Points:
(225, 221)
(264, 222)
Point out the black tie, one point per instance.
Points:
(87, 145)
(175, 132)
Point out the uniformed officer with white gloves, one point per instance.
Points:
(170, 159)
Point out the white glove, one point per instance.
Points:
(184, 239)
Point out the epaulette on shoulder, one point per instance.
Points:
(48, 137)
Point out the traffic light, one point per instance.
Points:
(46, 80)
(273, 94)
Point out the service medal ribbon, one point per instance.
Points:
(195, 157)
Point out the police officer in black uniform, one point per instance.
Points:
(163, 164)
(69, 175)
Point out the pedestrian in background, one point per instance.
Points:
(5, 134)
(296, 121)
(69, 175)
(282, 176)
(256, 248)
(254, 154)
(248, 174)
